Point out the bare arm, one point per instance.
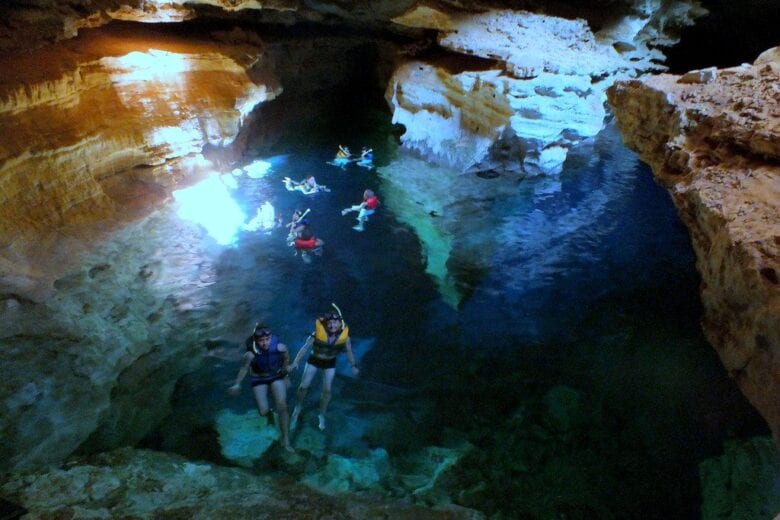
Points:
(302, 352)
(241, 374)
(351, 357)
(286, 353)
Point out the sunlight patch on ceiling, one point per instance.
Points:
(153, 65)
(180, 140)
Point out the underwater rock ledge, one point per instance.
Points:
(144, 484)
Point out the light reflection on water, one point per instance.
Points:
(209, 204)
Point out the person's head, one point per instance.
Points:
(262, 335)
(332, 322)
(368, 194)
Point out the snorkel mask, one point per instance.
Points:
(261, 331)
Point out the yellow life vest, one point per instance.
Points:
(321, 346)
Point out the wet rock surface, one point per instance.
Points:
(140, 484)
(713, 140)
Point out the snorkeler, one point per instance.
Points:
(305, 242)
(268, 362)
(301, 237)
(343, 157)
(365, 209)
(307, 186)
(329, 339)
(366, 158)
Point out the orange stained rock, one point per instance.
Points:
(108, 120)
(713, 140)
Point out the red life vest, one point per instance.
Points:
(372, 202)
(305, 244)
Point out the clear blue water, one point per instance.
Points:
(574, 362)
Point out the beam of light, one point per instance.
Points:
(210, 205)
(229, 181)
(153, 11)
(153, 65)
(179, 141)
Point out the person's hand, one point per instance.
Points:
(355, 370)
(235, 389)
(292, 368)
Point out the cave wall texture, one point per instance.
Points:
(89, 143)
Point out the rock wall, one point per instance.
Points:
(712, 138)
(105, 124)
(98, 131)
(538, 91)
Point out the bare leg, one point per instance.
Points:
(309, 372)
(362, 218)
(327, 382)
(351, 208)
(279, 389)
(261, 399)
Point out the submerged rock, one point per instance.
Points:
(246, 437)
(741, 483)
(146, 484)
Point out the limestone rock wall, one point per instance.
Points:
(713, 139)
(105, 123)
(538, 91)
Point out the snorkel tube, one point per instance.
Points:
(338, 310)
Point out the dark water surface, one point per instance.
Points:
(574, 363)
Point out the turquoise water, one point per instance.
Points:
(547, 331)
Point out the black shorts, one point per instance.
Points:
(322, 362)
(257, 380)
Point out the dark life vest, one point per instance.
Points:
(266, 363)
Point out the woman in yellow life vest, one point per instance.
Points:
(329, 339)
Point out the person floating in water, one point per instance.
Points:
(343, 157)
(366, 158)
(329, 339)
(365, 209)
(307, 186)
(296, 224)
(268, 362)
(302, 238)
(306, 243)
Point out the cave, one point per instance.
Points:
(549, 231)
